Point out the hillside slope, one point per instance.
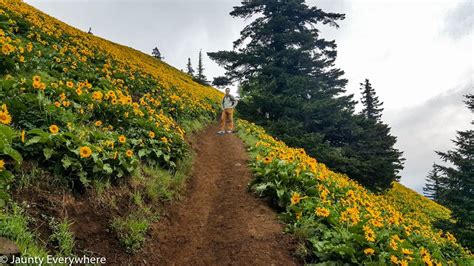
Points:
(338, 220)
(82, 114)
(67, 96)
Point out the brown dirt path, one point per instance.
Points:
(218, 222)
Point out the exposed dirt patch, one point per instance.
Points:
(90, 219)
(217, 223)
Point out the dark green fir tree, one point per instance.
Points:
(291, 86)
(189, 68)
(200, 77)
(372, 106)
(455, 188)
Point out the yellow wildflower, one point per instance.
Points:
(85, 152)
(54, 129)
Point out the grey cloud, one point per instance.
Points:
(428, 127)
(459, 21)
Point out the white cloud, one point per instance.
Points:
(427, 127)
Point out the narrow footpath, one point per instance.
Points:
(218, 222)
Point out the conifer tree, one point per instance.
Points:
(378, 161)
(434, 185)
(189, 68)
(221, 81)
(200, 77)
(455, 189)
(372, 106)
(291, 86)
(156, 53)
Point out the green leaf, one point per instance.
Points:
(142, 153)
(34, 140)
(280, 192)
(66, 162)
(7, 133)
(14, 154)
(107, 168)
(83, 179)
(47, 152)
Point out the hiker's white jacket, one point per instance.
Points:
(229, 102)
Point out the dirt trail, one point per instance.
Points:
(218, 222)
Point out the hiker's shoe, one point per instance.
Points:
(229, 132)
(221, 132)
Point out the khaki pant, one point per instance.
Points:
(227, 114)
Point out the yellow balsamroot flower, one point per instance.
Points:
(97, 95)
(164, 139)
(369, 234)
(85, 152)
(122, 139)
(295, 198)
(151, 134)
(267, 160)
(322, 212)
(298, 215)
(369, 251)
(129, 153)
(407, 251)
(54, 129)
(394, 259)
(57, 104)
(98, 123)
(70, 84)
(2, 165)
(5, 117)
(23, 136)
(403, 263)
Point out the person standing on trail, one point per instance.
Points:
(228, 104)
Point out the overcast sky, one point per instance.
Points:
(417, 53)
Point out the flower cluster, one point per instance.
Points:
(87, 107)
(341, 220)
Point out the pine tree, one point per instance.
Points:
(378, 161)
(456, 189)
(200, 77)
(189, 68)
(372, 106)
(221, 82)
(156, 53)
(290, 85)
(434, 185)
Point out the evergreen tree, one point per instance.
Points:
(372, 158)
(377, 162)
(290, 85)
(156, 53)
(434, 185)
(200, 77)
(456, 186)
(372, 107)
(189, 68)
(221, 82)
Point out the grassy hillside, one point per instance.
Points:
(338, 220)
(88, 112)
